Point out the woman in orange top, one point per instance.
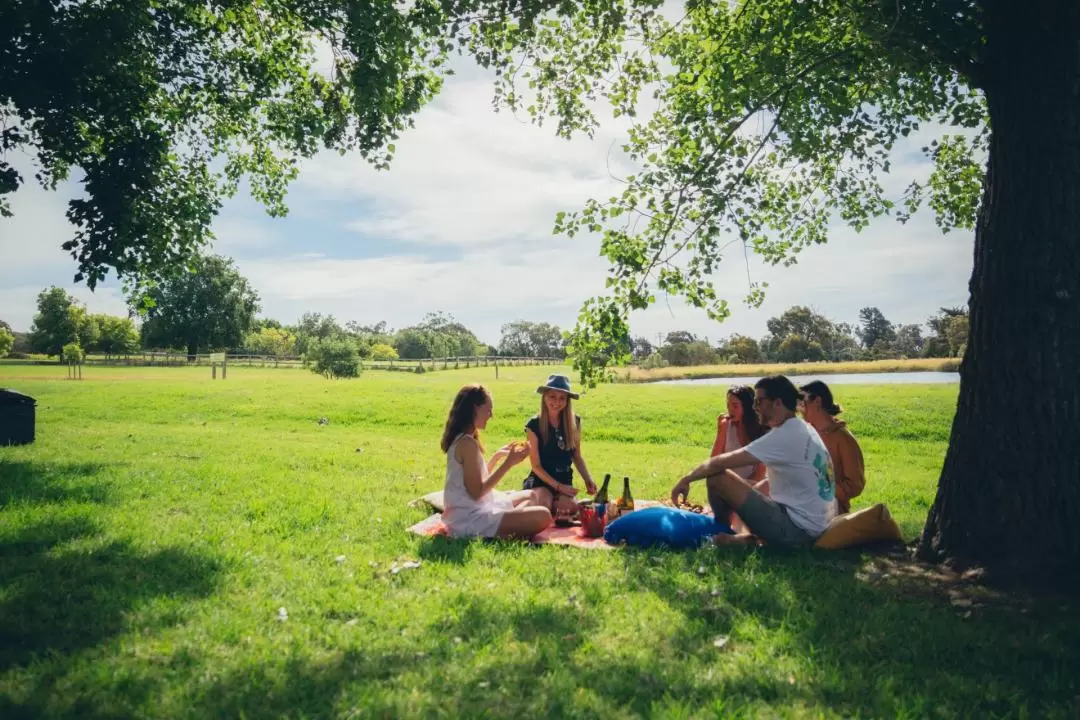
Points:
(738, 428)
(819, 409)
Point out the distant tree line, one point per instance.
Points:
(801, 335)
(211, 308)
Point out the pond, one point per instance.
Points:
(833, 379)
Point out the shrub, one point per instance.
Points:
(653, 361)
(72, 353)
(334, 358)
(382, 351)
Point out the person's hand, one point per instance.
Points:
(590, 486)
(568, 490)
(680, 492)
(502, 452)
(516, 452)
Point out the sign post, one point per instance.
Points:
(216, 358)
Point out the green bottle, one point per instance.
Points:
(601, 497)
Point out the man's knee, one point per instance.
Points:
(722, 481)
(728, 485)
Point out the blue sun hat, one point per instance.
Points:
(560, 383)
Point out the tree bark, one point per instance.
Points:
(1009, 494)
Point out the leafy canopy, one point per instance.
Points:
(163, 106)
(773, 119)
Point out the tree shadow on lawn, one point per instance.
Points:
(66, 587)
(804, 632)
(491, 659)
(872, 648)
(38, 483)
(440, 548)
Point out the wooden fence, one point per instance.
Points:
(174, 359)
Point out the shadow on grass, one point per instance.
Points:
(866, 649)
(66, 587)
(805, 635)
(39, 483)
(458, 551)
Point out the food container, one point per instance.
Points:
(592, 524)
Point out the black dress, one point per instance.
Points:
(555, 458)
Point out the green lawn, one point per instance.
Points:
(151, 535)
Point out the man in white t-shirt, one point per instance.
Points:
(798, 468)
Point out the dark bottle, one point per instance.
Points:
(602, 496)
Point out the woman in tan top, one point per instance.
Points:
(819, 409)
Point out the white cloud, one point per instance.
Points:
(483, 289)
(233, 235)
(31, 239)
(468, 176)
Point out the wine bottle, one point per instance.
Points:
(602, 497)
(626, 502)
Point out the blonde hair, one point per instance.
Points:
(567, 421)
(462, 415)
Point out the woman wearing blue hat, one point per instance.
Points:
(555, 448)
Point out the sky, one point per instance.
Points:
(462, 223)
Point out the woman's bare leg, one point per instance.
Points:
(524, 522)
(525, 498)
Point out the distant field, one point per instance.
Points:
(151, 536)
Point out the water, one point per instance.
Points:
(834, 379)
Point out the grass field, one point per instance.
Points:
(151, 535)
(636, 374)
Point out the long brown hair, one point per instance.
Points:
(567, 421)
(462, 414)
(751, 426)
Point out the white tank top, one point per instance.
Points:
(456, 498)
(732, 444)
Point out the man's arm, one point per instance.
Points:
(728, 461)
(712, 466)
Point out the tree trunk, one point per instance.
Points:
(192, 351)
(1009, 494)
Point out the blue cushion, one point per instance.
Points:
(663, 526)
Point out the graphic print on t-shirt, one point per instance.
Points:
(826, 482)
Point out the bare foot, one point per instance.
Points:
(723, 539)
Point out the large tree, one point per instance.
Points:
(314, 327)
(209, 306)
(60, 320)
(874, 328)
(116, 335)
(802, 322)
(909, 340)
(530, 339)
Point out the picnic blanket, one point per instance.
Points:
(574, 536)
(862, 527)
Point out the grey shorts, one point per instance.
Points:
(770, 522)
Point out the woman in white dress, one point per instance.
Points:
(473, 507)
